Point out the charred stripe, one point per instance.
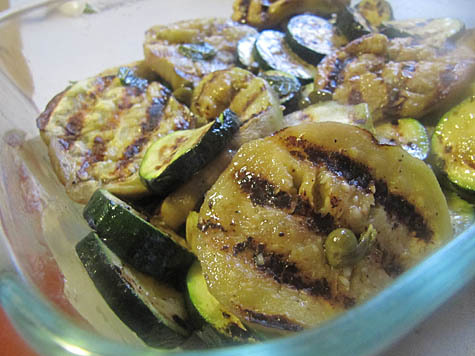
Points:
(275, 321)
(357, 174)
(262, 192)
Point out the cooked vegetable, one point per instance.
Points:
(311, 37)
(215, 324)
(154, 250)
(98, 129)
(462, 213)
(434, 32)
(352, 24)
(250, 97)
(263, 224)
(267, 14)
(245, 53)
(342, 249)
(177, 205)
(397, 78)
(375, 11)
(357, 115)
(184, 52)
(173, 159)
(285, 85)
(153, 310)
(197, 51)
(410, 134)
(273, 52)
(453, 146)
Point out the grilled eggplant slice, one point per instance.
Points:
(173, 159)
(375, 11)
(433, 32)
(357, 115)
(312, 37)
(215, 325)
(263, 224)
(409, 133)
(184, 52)
(98, 130)
(267, 14)
(453, 147)
(398, 78)
(154, 250)
(273, 52)
(153, 310)
(258, 108)
(250, 97)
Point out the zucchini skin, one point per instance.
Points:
(310, 37)
(179, 170)
(121, 296)
(149, 249)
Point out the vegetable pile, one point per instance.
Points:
(258, 176)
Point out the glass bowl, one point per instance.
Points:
(43, 287)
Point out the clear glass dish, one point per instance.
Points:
(43, 287)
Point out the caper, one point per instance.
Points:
(340, 247)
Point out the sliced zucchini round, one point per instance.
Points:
(410, 134)
(352, 24)
(245, 53)
(453, 146)
(153, 310)
(273, 52)
(285, 85)
(375, 11)
(156, 251)
(215, 324)
(310, 37)
(174, 158)
(462, 213)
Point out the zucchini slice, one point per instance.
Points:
(310, 36)
(375, 11)
(462, 213)
(453, 147)
(273, 52)
(173, 159)
(156, 251)
(215, 324)
(153, 310)
(434, 32)
(285, 85)
(410, 134)
(245, 53)
(352, 24)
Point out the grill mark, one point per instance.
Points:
(278, 267)
(274, 321)
(334, 77)
(154, 115)
(74, 124)
(253, 98)
(358, 175)
(263, 193)
(210, 224)
(43, 118)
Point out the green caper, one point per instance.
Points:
(343, 249)
(340, 247)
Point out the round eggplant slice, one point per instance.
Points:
(310, 36)
(273, 52)
(264, 223)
